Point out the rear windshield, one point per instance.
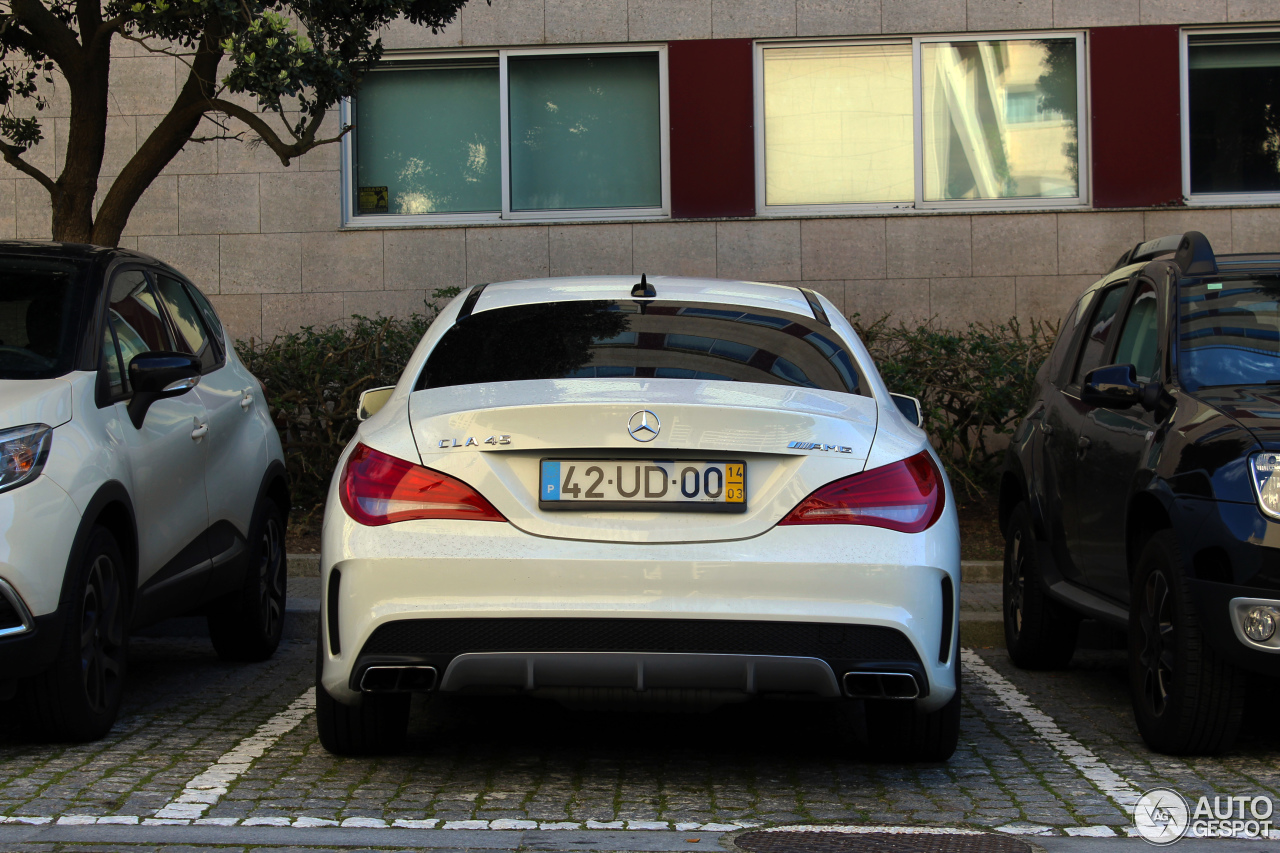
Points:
(1229, 332)
(39, 307)
(663, 340)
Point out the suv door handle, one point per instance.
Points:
(246, 401)
(200, 431)
(1046, 428)
(1083, 442)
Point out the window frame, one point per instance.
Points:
(346, 114)
(1184, 92)
(1081, 200)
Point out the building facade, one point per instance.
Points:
(964, 160)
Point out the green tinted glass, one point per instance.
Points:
(428, 140)
(585, 132)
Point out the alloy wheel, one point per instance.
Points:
(1015, 583)
(271, 577)
(1155, 617)
(101, 634)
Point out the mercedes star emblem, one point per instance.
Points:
(644, 425)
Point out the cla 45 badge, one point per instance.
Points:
(471, 442)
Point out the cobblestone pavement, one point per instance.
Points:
(528, 764)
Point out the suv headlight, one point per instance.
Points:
(1265, 468)
(23, 451)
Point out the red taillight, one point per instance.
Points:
(380, 489)
(906, 496)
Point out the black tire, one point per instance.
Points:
(1039, 632)
(897, 732)
(1186, 699)
(247, 624)
(78, 697)
(376, 726)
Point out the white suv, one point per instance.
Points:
(668, 491)
(140, 478)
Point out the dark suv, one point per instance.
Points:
(1138, 489)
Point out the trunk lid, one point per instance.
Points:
(494, 436)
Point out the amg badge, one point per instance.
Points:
(814, 445)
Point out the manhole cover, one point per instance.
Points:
(877, 842)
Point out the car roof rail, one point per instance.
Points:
(1195, 255)
(1192, 253)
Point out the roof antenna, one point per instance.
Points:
(644, 288)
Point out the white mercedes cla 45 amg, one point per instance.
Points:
(671, 490)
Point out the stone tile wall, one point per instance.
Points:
(265, 241)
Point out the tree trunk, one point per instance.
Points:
(86, 142)
(164, 143)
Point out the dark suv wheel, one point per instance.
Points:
(1039, 631)
(247, 624)
(1187, 700)
(78, 697)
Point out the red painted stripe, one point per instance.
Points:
(712, 135)
(1137, 133)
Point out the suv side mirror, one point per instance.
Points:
(910, 408)
(372, 401)
(1112, 387)
(157, 376)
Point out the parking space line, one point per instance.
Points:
(1113, 786)
(204, 791)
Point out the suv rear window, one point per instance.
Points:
(1228, 332)
(663, 340)
(40, 302)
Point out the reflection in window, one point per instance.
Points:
(429, 140)
(1229, 332)
(1139, 338)
(1233, 90)
(978, 144)
(838, 124)
(585, 340)
(585, 131)
(1099, 331)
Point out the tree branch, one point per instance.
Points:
(56, 38)
(89, 17)
(286, 151)
(13, 156)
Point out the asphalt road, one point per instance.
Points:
(208, 753)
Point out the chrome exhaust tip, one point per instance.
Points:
(881, 685)
(398, 679)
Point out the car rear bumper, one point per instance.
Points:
(483, 604)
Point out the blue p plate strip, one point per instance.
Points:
(550, 481)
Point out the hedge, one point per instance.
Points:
(974, 385)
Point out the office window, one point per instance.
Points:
(1232, 121)
(838, 124)
(428, 140)
(585, 132)
(929, 122)
(574, 134)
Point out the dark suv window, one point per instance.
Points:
(1229, 332)
(664, 340)
(40, 303)
(1098, 331)
(1139, 339)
